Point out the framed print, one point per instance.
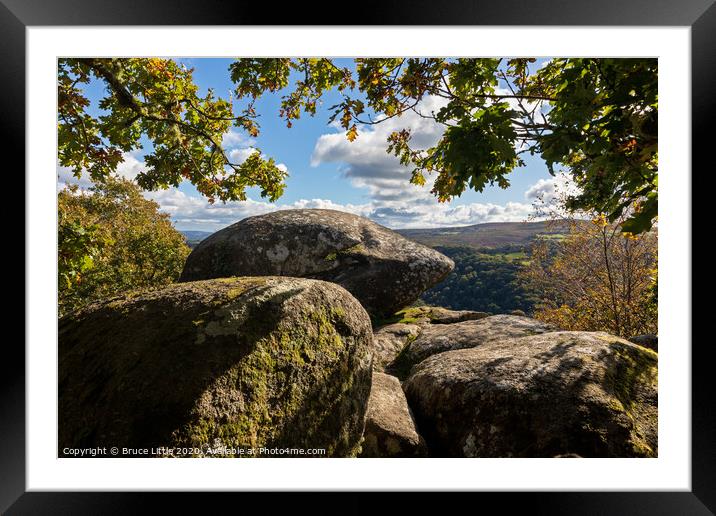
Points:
(421, 247)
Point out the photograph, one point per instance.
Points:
(357, 257)
(417, 249)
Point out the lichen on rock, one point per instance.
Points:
(390, 340)
(585, 393)
(239, 363)
(438, 338)
(382, 269)
(393, 334)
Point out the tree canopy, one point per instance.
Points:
(595, 118)
(111, 239)
(485, 280)
(158, 99)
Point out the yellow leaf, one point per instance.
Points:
(352, 133)
(418, 179)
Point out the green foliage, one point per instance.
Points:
(485, 280)
(158, 99)
(596, 118)
(111, 239)
(603, 128)
(77, 248)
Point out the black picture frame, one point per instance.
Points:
(17, 15)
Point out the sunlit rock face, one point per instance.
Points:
(553, 394)
(382, 269)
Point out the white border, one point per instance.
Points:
(670, 471)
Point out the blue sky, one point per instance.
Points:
(327, 171)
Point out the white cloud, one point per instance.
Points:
(445, 215)
(238, 156)
(195, 213)
(189, 212)
(233, 138)
(392, 200)
(65, 177)
(366, 163)
(550, 190)
(129, 168)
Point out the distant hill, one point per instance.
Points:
(477, 236)
(194, 237)
(491, 234)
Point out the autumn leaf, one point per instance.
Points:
(352, 133)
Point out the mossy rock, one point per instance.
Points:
(257, 362)
(438, 338)
(393, 334)
(428, 315)
(381, 268)
(560, 393)
(389, 341)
